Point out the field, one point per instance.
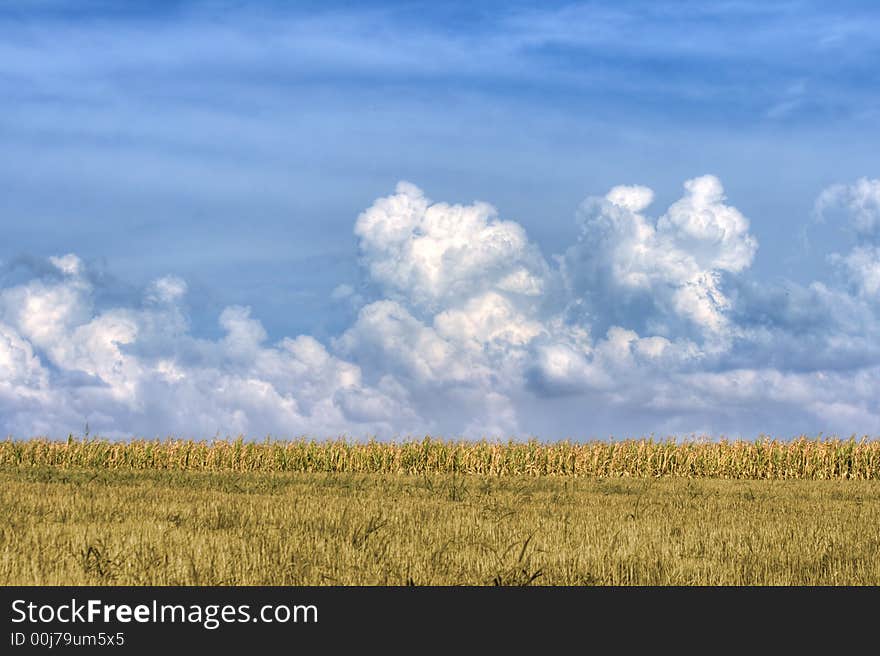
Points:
(437, 513)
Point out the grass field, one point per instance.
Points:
(234, 513)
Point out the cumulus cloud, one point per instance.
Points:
(139, 371)
(435, 254)
(20, 369)
(658, 272)
(644, 324)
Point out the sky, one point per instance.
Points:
(503, 220)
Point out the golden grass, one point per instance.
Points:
(769, 459)
(150, 527)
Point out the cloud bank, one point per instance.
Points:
(647, 323)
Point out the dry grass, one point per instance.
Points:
(100, 526)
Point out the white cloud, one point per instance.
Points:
(138, 371)
(716, 235)
(487, 319)
(670, 267)
(857, 207)
(20, 368)
(43, 312)
(633, 198)
(435, 254)
(862, 267)
(857, 204)
(244, 335)
(387, 337)
(167, 289)
(68, 264)
(95, 348)
(560, 368)
(644, 324)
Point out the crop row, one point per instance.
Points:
(765, 458)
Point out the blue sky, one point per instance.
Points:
(234, 147)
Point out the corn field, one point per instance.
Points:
(768, 459)
(433, 512)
